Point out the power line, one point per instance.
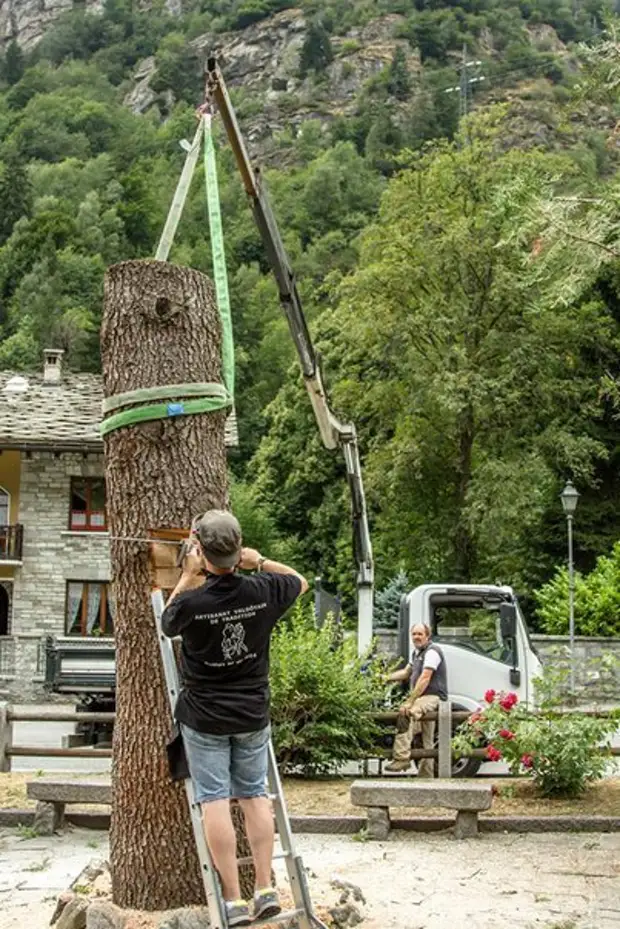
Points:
(465, 82)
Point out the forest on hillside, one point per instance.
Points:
(457, 256)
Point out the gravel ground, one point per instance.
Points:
(549, 881)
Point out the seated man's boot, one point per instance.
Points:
(397, 766)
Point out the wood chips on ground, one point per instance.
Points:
(517, 797)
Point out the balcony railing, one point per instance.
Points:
(7, 656)
(11, 542)
(22, 656)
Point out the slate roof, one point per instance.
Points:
(61, 416)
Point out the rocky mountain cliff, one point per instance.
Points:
(264, 59)
(27, 21)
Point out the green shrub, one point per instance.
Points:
(560, 753)
(321, 699)
(597, 600)
(349, 46)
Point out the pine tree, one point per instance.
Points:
(399, 81)
(15, 194)
(387, 601)
(13, 63)
(316, 52)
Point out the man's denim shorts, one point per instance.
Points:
(227, 766)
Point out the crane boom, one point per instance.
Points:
(334, 434)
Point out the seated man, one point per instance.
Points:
(429, 684)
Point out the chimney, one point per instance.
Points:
(52, 365)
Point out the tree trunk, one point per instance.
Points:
(160, 327)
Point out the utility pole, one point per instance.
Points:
(465, 82)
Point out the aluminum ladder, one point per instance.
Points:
(302, 916)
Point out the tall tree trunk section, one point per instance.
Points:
(463, 545)
(160, 327)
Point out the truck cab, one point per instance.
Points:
(482, 634)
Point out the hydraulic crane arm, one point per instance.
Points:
(334, 434)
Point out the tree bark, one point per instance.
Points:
(160, 327)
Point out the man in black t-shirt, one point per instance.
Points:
(223, 707)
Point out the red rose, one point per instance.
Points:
(489, 696)
(493, 754)
(508, 701)
(527, 761)
(506, 734)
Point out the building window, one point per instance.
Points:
(90, 609)
(5, 507)
(88, 504)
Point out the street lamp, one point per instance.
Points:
(569, 497)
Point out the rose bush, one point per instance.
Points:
(560, 753)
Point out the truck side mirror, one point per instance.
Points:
(508, 621)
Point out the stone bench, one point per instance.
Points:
(378, 796)
(53, 795)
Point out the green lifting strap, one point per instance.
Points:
(210, 397)
(219, 260)
(169, 392)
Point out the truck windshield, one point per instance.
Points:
(472, 626)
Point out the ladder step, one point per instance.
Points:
(249, 859)
(280, 918)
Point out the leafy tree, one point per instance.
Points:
(443, 358)
(178, 69)
(597, 599)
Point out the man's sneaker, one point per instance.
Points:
(238, 913)
(266, 903)
(397, 766)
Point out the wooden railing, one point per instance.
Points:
(9, 716)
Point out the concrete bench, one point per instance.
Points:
(53, 795)
(378, 796)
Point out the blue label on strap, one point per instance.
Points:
(175, 409)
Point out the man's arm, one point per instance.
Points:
(421, 684)
(420, 687)
(403, 675)
(251, 560)
(173, 619)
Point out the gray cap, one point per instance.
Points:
(220, 536)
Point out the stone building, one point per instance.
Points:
(54, 543)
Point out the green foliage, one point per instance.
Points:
(13, 65)
(477, 356)
(321, 702)
(399, 81)
(387, 601)
(597, 599)
(178, 68)
(560, 753)
(316, 51)
(15, 194)
(259, 529)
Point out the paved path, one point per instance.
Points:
(411, 882)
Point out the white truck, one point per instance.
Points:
(484, 639)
